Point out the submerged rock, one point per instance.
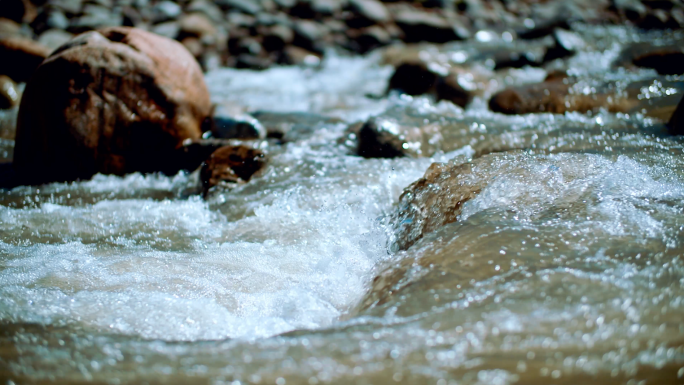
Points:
(441, 197)
(435, 200)
(382, 137)
(555, 96)
(20, 56)
(228, 124)
(115, 101)
(292, 126)
(230, 165)
(9, 94)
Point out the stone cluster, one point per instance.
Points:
(260, 33)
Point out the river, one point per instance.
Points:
(566, 267)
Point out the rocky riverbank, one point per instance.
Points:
(261, 33)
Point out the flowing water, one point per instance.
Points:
(566, 267)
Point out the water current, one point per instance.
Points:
(566, 267)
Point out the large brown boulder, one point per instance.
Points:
(113, 101)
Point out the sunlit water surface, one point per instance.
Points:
(567, 267)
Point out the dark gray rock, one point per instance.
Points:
(54, 38)
(367, 12)
(228, 125)
(292, 126)
(424, 26)
(208, 8)
(168, 29)
(165, 11)
(665, 60)
(278, 37)
(95, 17)
(68, 6)
(246, 6)
(309, 35)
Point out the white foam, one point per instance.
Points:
(337, 86)
(295, 248)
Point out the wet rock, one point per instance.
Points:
(54, 38)
(292, 126)
(423, 26)
(416, 78)
(409, 131)
(70, 7)
(516, 60)
(131, 17)
(326, 7)
(197, 24)
(657, 19)
(385, 138)
(94, 17)
(413, 79)
(448, 88)
(633, 10)
(169, 29)
(543, 28)
(20, 56)
(369, 38)
(309, 35)
(229, 124)
(246, 6)
(435, 200)
(50, 18)
(277, 38)
(236, 19)
(13, 10)
(676, 123)
(165, 10)
(9, 94)
(555, 96)
(208, 8)
(210, 60)
(231, 165)
(254, 62)
(565, 44)
(286, 4)
(367, 13)
(115, 101)
(438, 198)
(665, 61)
(315, 9)
(193, 45)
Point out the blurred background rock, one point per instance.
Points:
(258, 34)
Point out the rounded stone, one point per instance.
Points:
(113, 101)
